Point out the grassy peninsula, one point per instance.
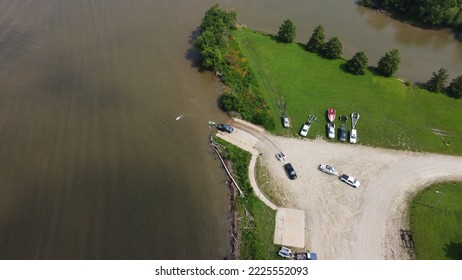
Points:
(435, 219)
(258, 70)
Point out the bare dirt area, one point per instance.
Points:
(343, 222)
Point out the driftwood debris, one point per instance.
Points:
(216, 148)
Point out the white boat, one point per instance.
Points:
(281, 156)
(327, 169)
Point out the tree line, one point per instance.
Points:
(434, 13)
(437, 83)
(332, 49)
(357, 65)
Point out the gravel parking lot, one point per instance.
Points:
(343, 222)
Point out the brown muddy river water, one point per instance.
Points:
(93, 164)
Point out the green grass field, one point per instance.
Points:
(393, 115)
(436, 220)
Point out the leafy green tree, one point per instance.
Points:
(287, 31)
(437, 81)
(357, 64)
(231, 102)
(316, 41)
(206, 39)
(217, 20)
(332, 49)
(215, 30)
(211, 57)
(437, 13)
(208, 44)
(389, 63)
(367, 3)
(455, 87)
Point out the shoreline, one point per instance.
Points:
(234, 230)
(249, 238)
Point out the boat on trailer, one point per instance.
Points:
(331, 114)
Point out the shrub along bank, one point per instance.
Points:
(221, 54)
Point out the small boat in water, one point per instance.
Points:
(179, 117)
(331, 114)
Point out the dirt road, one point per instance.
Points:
(347, 223)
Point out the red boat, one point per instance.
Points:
(331, 114)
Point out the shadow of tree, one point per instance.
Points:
(373, 70)
(219, 101)
(191, 54)
(343, 67)
(424, 87)
(302, 46)
(453, 250)
(458, 34)
(421, 85)
(273, 37)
